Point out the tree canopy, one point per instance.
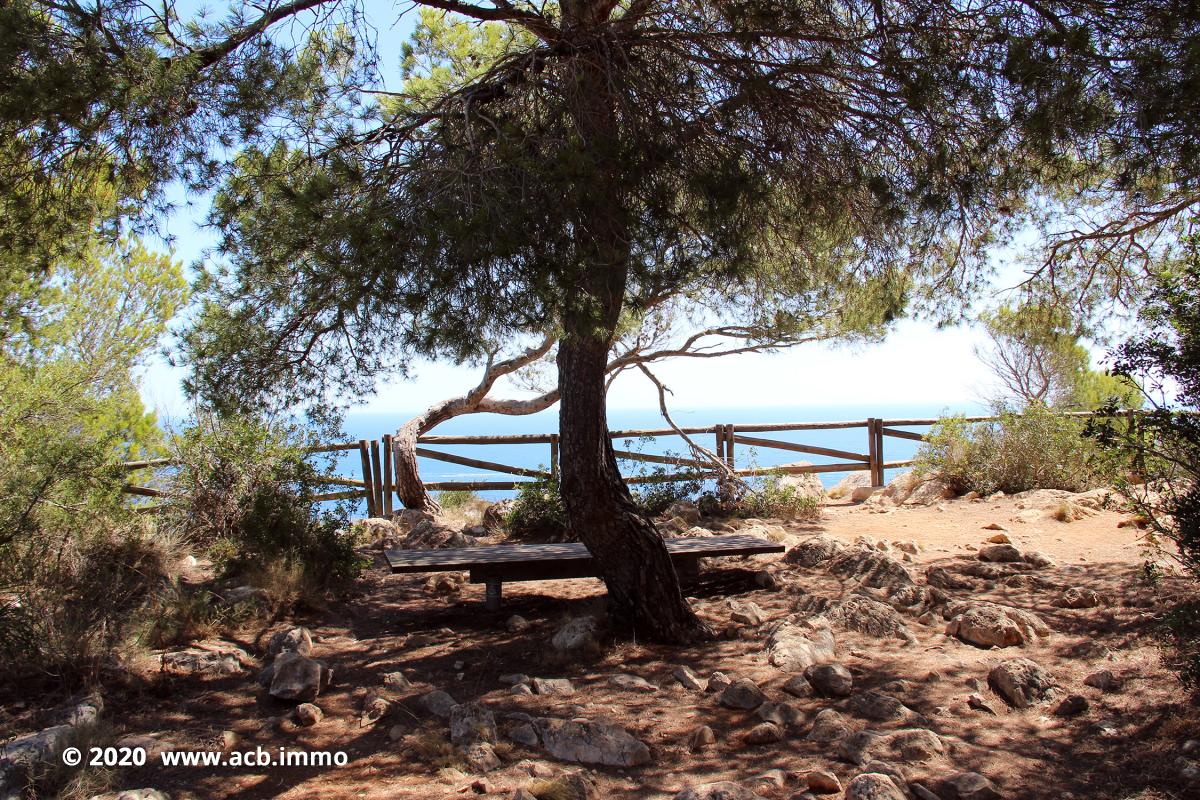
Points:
(768, 163)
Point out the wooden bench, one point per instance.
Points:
(543, 562)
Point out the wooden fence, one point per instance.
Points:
(378, 489)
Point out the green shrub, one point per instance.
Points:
(537, 512)
(655, 498)
(1164, 445)
(456, 498)
(246, 489)
(1035, 449)
(72, 601)
(769, 497)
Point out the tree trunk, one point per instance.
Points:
(632, 559)
(642, 586)
(412, 491)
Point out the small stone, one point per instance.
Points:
(553, 686)
(877, 706)
(721, 790)
(590, 742)
(512, 679)
(229, 740)
(798, 686)
(688, 679)
(1020, 682)
(480, 757)
(969, 786)
(396, 681)
(748, 614)
(782, 714)
(1040, 560)
(1104, 680)
(375, 707)
(472, 722)
(765, 579)
(822, 781)
(308, 714)
(701, 737)
(293, 640)
(1004, 553)
(1074, 597)
(297, 677)
(979, 704)
(764, 733)
(830, 680)
(718, 681)
(829, 726)
(521, 690)
(439, 703)
(632, 683)
(577, 634)
(1072, 706)
(524, 734)
(873, 786)
(742, 694)
(517, 624)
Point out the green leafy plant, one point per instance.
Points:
(1034, 449)
(456, 498)
(247, 488)
(537, 512)
(770, 497)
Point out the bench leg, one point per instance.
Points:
(491, 596)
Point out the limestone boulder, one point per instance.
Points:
(1021, 682)
(587, 742)
(795, 645)
(992, 625)
(873, 786)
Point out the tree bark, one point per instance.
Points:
(631, 557)
(643, 588)
(409, 486)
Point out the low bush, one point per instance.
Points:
(1034, 449)
(655, 498)
(770, 497)
(71, 602)
(537, 512)
(245, 488)
(456, 498)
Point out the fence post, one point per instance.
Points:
(729, 457)
(723, 491)
(879, 477)
(364, 455)
(872, 451)
(376, 477)
(554, 456)
(388, 508)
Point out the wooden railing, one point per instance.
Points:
(378, 489)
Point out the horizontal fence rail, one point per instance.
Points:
(377, 487)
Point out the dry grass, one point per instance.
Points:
(552, 790)
(434, 749)
(52, 778)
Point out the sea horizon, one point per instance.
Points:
(374, 424)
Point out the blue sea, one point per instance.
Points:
(373, 425)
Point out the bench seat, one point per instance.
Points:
(540, 562)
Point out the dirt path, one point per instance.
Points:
(1126, 742)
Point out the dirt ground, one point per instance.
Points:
(1126, 744)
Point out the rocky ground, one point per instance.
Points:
(909, 646)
